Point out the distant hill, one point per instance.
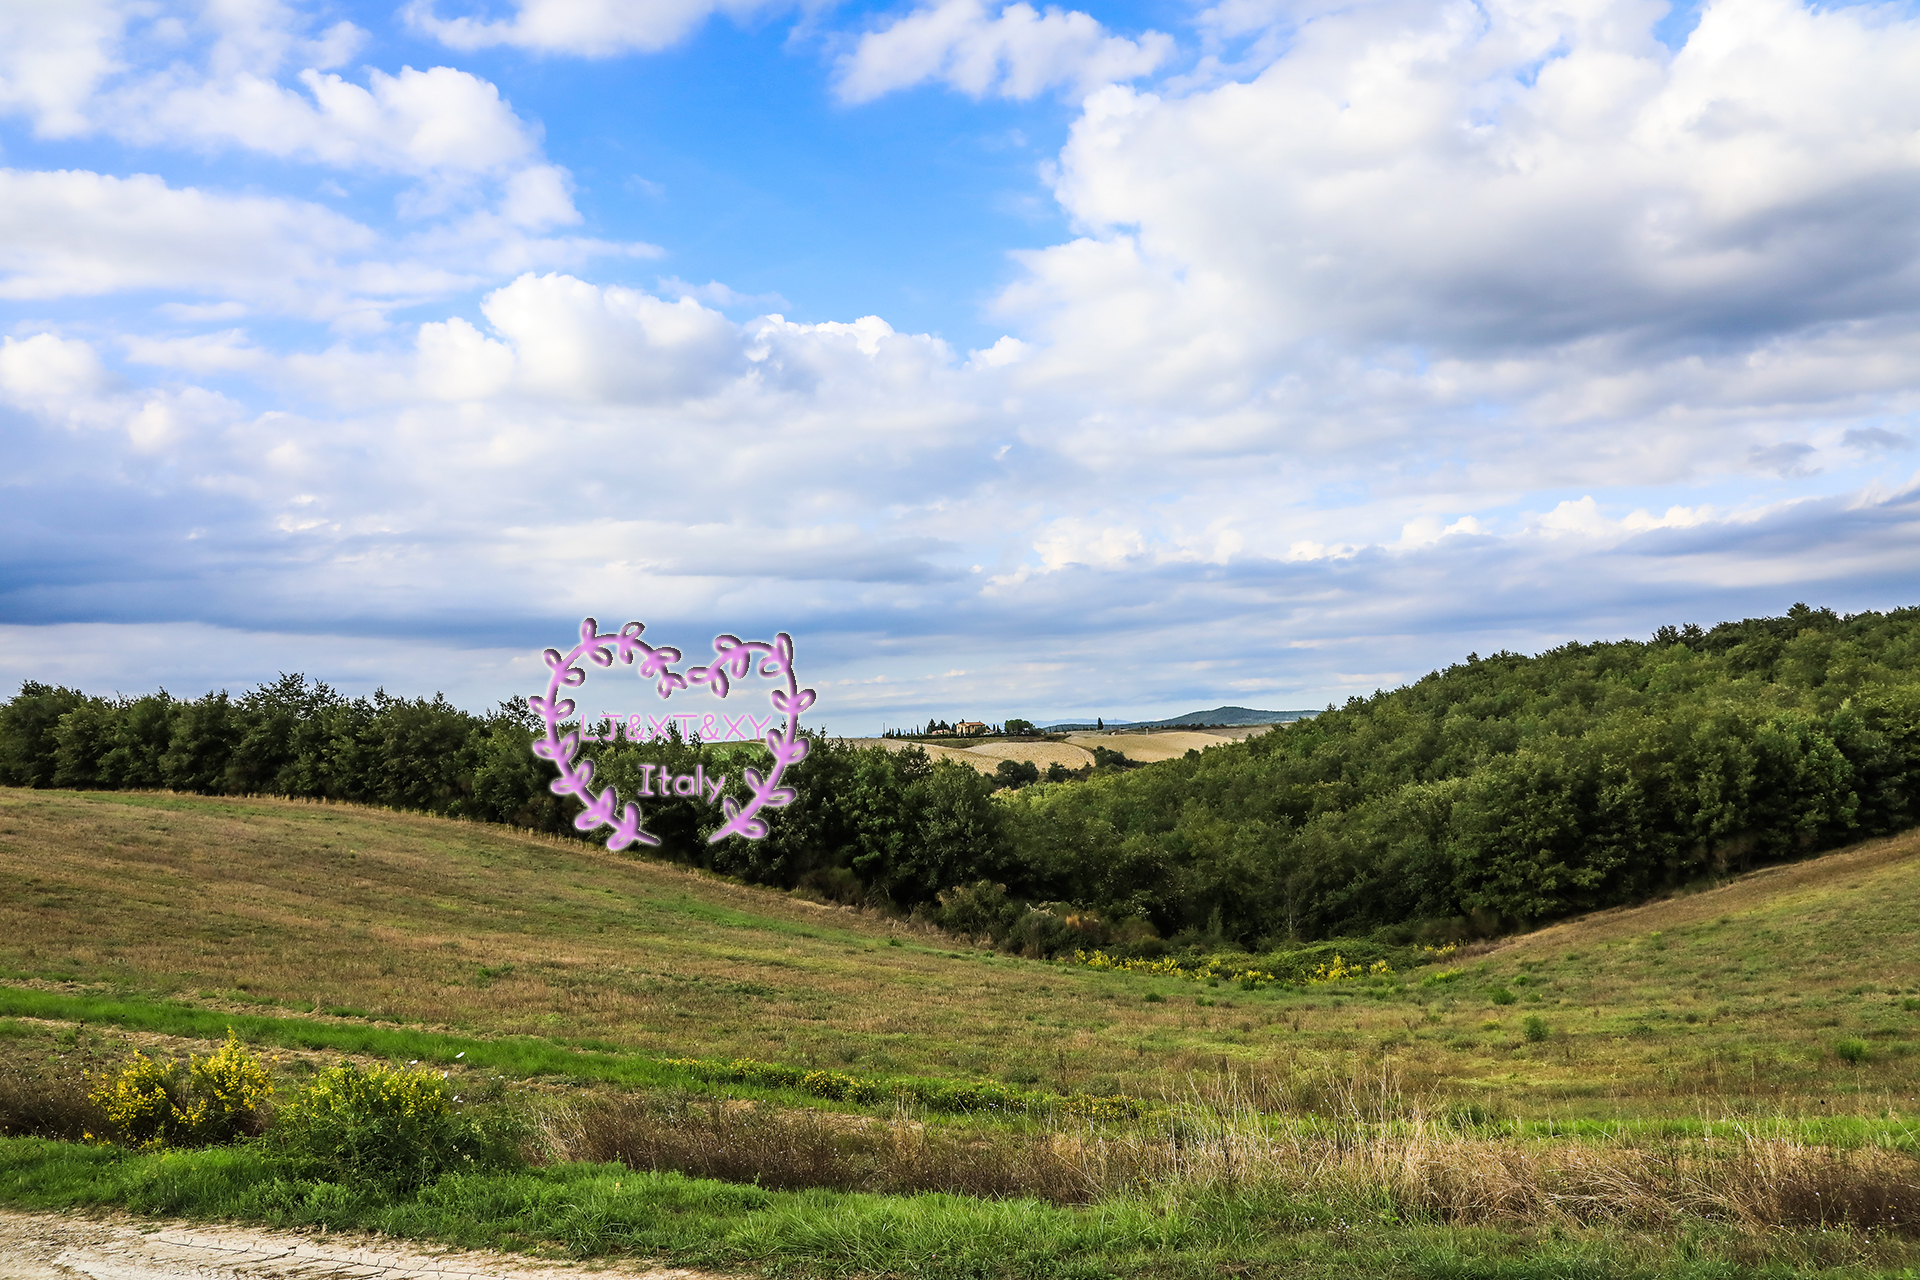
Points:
(1219, 715)
(1232, 715)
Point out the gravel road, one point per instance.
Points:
(51, 1246)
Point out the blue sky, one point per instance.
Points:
(1110, 360)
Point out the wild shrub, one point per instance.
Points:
(1500, 995)
(231, 1094)
(1535, 1029)
(400, 1128)
(146, 1104)
(1852, 1051)
(222, 1097)
(980, 909)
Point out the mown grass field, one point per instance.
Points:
(1717, 1085)
(1795, 990)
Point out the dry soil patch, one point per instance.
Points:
(52, 1246)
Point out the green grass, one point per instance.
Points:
(597, 1211)
(336, 930)
(513, 1056)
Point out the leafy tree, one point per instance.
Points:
(1015, 773)
(29, 723)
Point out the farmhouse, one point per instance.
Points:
(967, 728)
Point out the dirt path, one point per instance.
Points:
(52, 1246)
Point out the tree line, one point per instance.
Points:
(1500, 792)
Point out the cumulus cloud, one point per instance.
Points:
(258, 78)
(436, 121)
(63, 381)
(1495, 186)
(1018, 52)
(52, 57)
(578, 341)
(74, 234)
(49, 373)
(593, 28)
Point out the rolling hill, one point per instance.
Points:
(1751, 991)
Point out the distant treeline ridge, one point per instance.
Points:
(1502, 791)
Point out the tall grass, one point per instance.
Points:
(1372, 1147)
(43, 1104)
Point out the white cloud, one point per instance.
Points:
(53, 54)
(1448, 203)
(436, 121)
(716, 294)
(1418, 329)
(255, 76)
(458, 362)
(1015, 53)
(48, 372)
(1005, 350)
(576, 341)
(63, 381)
(223, 352)
(1424, 531)
(77, 234)
(1071, 541)
(74, 234)
(594, 28)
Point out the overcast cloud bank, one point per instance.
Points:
(1385, 332)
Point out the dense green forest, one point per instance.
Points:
(1500, 792)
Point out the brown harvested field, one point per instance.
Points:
(1148, 748)
(1741, 995)
(1077, 750)
(937, 750)
(986, 756)
(1039, 752)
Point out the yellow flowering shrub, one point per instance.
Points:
(217, 1098)
(1340, 970)
(141, 1103)
(1213, 968)
(231, 1093)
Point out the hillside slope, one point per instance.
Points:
(1742, 992)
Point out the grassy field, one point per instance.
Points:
(1719, 1084)
(1795, 988)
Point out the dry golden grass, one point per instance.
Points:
(1039, 753)
(1739, 994)
(938, 751)
(1149, 748)
(1373, 1148)
(1077, 750)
